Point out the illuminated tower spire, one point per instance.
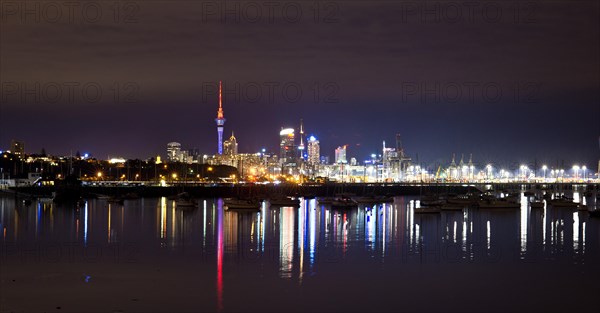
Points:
(301, 146)
(220, 122)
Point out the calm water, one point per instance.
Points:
(148, 255)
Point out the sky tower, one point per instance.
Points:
(220, 122)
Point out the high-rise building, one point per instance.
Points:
(173, 151)
(17, 148)
(314, 152)
(220, 120)
(287, 147)
(230, 146)
(340, 155)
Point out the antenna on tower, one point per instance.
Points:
(399, 148)
(301, 146)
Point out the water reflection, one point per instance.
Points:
(295, 242)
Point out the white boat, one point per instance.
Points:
(536, 204)
(563, 203)
(184, 200)
(343, 203)
(185, 203)
(374, 199)
(284, 201)
(498, 204)
(452, 207)
(582, 207)
(242, 204)
(326, 200)
(427, 210)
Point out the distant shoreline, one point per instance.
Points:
(319, 190)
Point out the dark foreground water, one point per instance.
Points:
(149, 256)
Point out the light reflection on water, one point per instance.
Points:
(295, 242)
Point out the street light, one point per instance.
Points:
(544, 168)
(576, 170)
(584, 168)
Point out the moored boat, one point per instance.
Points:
(427, 210)
(344, 203)
(284, 201)
(451, 207)
(326, 200)
(562, 203)
(536, 204)
(498, 204)
(242, 204)
(184, 200)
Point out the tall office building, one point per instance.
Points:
(230, 146)
(17, 148)
(287, 147)
(220, 120)
(340, 155)
(314, 152)
(173, 151)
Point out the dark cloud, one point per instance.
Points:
(369, 54)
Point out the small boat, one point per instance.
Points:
(427, 210)
(461, 200)
(117, 200)
(284, 201)
(374, 199)
(537, 204)
(242, 204)
(326, 200)
(451, 207)
(562, 203)
(582, 207)
(131, 196)
(343, 203)
(498, 204)
(431, 200)
(184, 200)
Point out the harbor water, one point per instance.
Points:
(148, 255)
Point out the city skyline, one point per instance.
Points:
(362, 80)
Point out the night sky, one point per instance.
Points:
(367, 70)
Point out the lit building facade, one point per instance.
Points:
(173, 151)
(287, 149)
(314, 151)
(230, 146)
(340, 155)
(17, 148)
